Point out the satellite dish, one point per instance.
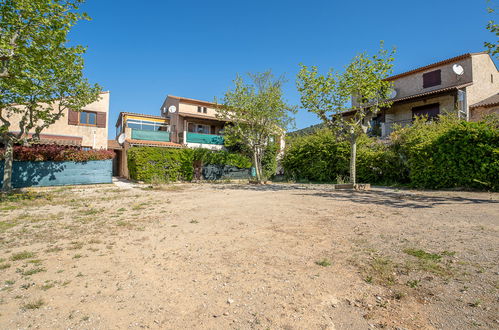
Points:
(458, 69)
(121, 138)
(392, 94)
(172, 109)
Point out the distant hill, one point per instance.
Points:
(307, 130)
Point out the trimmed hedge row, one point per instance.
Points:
(41, 153)
(320, 157)
(446, 154)
(155, 164)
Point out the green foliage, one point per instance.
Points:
(493, 27)
(321, 157)
(317, 157)
(448, 153)
(362, 89)
(269, 160)
(155, 164)
(41, 74)
(256, 112)
(451, 153)
(222, 157)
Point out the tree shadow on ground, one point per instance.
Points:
(378, 196)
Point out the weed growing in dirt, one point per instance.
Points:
(4, 266)
(33, 305)
(420, 254)
(22, 255)
(382, 271)
(47, 286)
(413, 283)
(323, 263)
(4, 225)
(33, 271)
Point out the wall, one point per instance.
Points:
(478, 114)
(61, 126)
(41, 174)
(483, 87)
(403, 111)
(413, 84)
(225, 172)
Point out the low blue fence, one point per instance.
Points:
(41, 174)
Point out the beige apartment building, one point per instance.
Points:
(86, 129)
(193, 123)
(466, 85)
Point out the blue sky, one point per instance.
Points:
(143, 50)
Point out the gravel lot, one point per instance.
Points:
(236, 256)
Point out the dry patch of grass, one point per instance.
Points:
(35, 304)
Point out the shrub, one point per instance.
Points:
(317, 157)
(451, 153)
(269, 160)
(448, 153)
(40, 153)
(155, 164)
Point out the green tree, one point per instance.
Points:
(493, 27)
(343, 101)
(41, 75)
(256, 113)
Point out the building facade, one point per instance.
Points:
(86, 128)
(194, 123)
(455, 86)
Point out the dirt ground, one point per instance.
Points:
(235, 256)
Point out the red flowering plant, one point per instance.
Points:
(40, 153)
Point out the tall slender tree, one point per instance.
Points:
(343, 101)
(41, 75)
(256, 112)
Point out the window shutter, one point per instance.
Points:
(433, 78)
(72, 117)
(101, 119)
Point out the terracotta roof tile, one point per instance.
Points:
(433, 65)
(155, 143)
(488, 102)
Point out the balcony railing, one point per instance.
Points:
(162, 136)
(205, 138)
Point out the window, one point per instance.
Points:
(205, 110)
(429, 110)
(202, 110)
(433, 78)
(88, 118)
(199, 109)
(145, 125)
(491, 78)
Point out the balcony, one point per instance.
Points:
(205, 138)
(138, 134)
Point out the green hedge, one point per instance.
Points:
(155, 164)
(449, 153)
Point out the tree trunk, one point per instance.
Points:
(353, 158)
(257, 166)
(7, 166)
